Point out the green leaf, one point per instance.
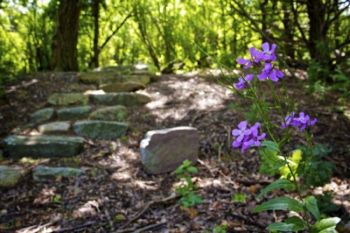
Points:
(326, 225)
(278, 184)
(271, 145)
(239, 197)
(280, 203)
(312, 207)
(192, 169)
(291, 224)
(270, 162)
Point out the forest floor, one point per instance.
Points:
(117, 195)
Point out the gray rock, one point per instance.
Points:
(122, 86)
(121, 98)
(43, 173)
(104, 130)
(10, 176)
(164, 150)
(113, 113)
(73, 113)
(42, 115)
(65, 99)
(55, 127)
(42, 146)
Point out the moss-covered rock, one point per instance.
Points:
(66, 99)
(42, 146)
(105, 130)
(55, 127)
(42, 115)
(121, 98)
(122, 86)
(74, 113)
(43, 173)
(113, 113)
(10, 176)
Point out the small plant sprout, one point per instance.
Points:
(189, 198)
(298, 170)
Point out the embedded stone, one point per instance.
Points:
(122, 86)
(73, 113)
(43, 173)
(113, 113)
(10, 176)
(164, 150)
(66, 99)
(42, 115)
(121, 98)
(42, 146)
(104, 130)
(55, 127)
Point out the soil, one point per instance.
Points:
(117, 195)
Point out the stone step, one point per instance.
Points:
(42, 146)
(121, 98)
(44, 173)
(104, 130)
(106, 77)
(11, 175)
(61, 127)
(66, 99)
(42, 115)
(128, 86)
(74, 113)
(111, 113)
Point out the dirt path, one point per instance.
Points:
(115, 187)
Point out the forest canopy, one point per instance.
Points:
(39, 35)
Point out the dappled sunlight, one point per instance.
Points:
(90, 208)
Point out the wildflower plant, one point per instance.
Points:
(298, 169)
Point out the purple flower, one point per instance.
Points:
(301, 122)
(270, 72)
(245, 62)
(269, 53)
(243, 82)
(247, 137)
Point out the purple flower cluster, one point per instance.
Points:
(300, 122)
(247, 137)
(258, 58)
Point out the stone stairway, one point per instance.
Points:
(61, 127)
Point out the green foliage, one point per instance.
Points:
(293, 224)
(280, 203)
(239, 198)
(312, 207)
(278, 184)
(187, 191)
(220, 228)
(326, 225)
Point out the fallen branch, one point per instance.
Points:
(142, 229)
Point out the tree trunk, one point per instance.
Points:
(96, 49)
(288, 33)
(65, 54)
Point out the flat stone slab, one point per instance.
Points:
(104, 130)
(10, 176)
(42, 146)
(112, 113)
(43, 173)
(42, 115)
(55, 127)
(106, 77)
(122, 87)
(66, 99)
(164, 150)
(121, 98)
(74, 113)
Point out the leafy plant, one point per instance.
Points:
(297, 170)
(189, 198)
(239, 198)
(220, 228)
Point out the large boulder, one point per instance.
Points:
(122, 86)
(121, 98)
(10, 176)
(112, 113)
(55, 127)
(42, 146)
(66, 99)
(42, 115)
(104, 130)
(43, 173)
(164, 150)
(74, 113)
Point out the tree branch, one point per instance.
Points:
(115, 31)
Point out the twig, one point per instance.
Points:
(142, 229)
(146, 207)
(74, 228)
